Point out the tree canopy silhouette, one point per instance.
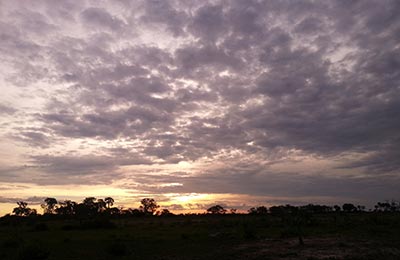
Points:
(49, 205)
(217, 209)
(149, 206)
(262, 210)
(23, 210)
(109, 201)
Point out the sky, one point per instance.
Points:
(196, 103)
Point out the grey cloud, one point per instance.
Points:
(30, 200)
(100, 17)
(191, 58)
(74, 165)
(259, 181)
(150, 56)
(7, 110)
(33, 138)
(34, 22)
(174, 207)
(246, 17)
(319, 77)
(380, 163)
(309, 25)
(107, 125)
(87, 164)
(162, 12)
(382, 17)
(208, 23)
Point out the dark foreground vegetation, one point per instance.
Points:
(95, 230)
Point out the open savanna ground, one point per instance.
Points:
(374, 235)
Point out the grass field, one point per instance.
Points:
(325, 236)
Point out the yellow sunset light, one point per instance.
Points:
(189, 198)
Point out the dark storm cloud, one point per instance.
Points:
(257, 77)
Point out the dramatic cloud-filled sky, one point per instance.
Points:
(241, 102)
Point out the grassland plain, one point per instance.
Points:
(368, 235)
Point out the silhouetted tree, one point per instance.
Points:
(109, 201)
(66, 207)
(316, 209)
(20, 210)
(137, 212)
(348, 207)
(217, 209)
(262, 210)
(49, 205)
(82, 210)
(88, 207)
(360, 208)
(149, 206)
(112, 211)
(282, 210)
(90, 202)
(165, 212)
(23, 210)
(101, 205)
(387, 206)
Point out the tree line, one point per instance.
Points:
(89, 207)
(92, 206)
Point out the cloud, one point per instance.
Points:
(30, 200)
(99, 17)
(162, 82)
(7, 110)
(163, 13)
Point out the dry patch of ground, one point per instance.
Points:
(317, 249)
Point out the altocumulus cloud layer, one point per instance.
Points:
(266, 98)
